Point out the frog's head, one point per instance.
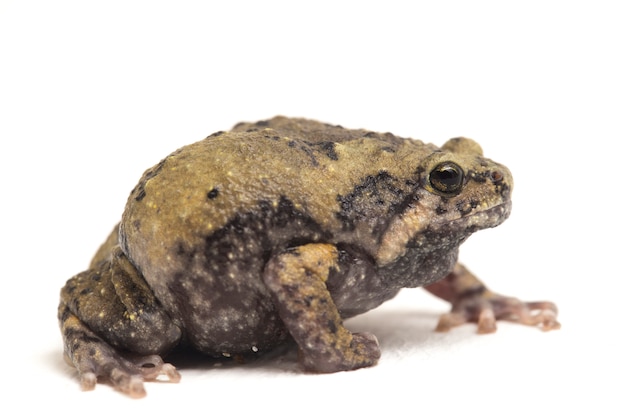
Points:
(459, 191)
(464, 190)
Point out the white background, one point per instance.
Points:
(92, 93)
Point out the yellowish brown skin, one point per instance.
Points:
(275, 232)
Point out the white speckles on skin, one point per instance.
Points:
(229, 317)
(350, 281)
(220, 290)
(197, 300)
(197, 270)
(267, 333)
(252, 319)
(225, 323)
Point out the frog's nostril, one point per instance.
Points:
(497, 176)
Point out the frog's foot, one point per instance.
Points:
(125, 374)
(96, 359)
(486, 308)
(362, 351)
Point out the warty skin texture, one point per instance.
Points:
(277, 231)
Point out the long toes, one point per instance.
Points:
(486, 312)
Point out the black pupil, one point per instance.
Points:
(448, 176)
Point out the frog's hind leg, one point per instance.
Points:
(113, 328)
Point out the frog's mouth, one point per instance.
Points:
(452, 233)
(481, 219)
(494, 216)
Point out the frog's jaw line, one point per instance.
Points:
(416, 221)
(483, 219)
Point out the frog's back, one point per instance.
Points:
(291, 170)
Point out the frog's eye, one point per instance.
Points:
(447, 178)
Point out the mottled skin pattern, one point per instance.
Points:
(277, 231)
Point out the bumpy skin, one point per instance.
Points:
(279, 230)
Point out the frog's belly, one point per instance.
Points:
(229, 314)
(217, 295)
(235, 314)
(228, 330)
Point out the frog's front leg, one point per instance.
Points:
(297, 280)
(473, 302)
(114, 328)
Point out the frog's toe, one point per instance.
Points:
(486, 321)
(96, 360)
(127, 375)
(128, 383)
(88, 381)
(486, 309)
(130, 379)
(450, 320)
(538, 313)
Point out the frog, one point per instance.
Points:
(274, 233)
